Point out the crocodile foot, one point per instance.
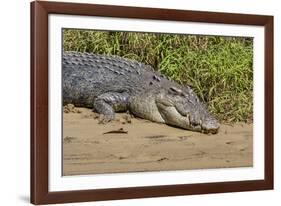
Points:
(103, 119)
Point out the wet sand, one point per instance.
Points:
(142, 145)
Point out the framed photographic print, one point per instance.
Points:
(131, 102)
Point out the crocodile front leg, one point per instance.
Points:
(109, 103)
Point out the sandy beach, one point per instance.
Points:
(132, 144)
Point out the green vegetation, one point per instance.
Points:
(219, 69)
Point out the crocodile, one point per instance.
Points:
(110, 84)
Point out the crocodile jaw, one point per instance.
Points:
(172, 117)
(148, 107)
(157, 108)
(145, 107)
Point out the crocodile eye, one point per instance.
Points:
(177, 91)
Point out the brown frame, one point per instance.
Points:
(39, 102)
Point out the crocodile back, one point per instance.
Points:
(86, 76)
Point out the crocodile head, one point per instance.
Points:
(176, 107)
(182, 108)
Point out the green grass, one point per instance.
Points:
(219, 69)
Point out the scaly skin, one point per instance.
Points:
(110, 84)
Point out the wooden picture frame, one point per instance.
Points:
(40, 193)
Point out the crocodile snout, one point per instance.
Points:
(210, 126)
